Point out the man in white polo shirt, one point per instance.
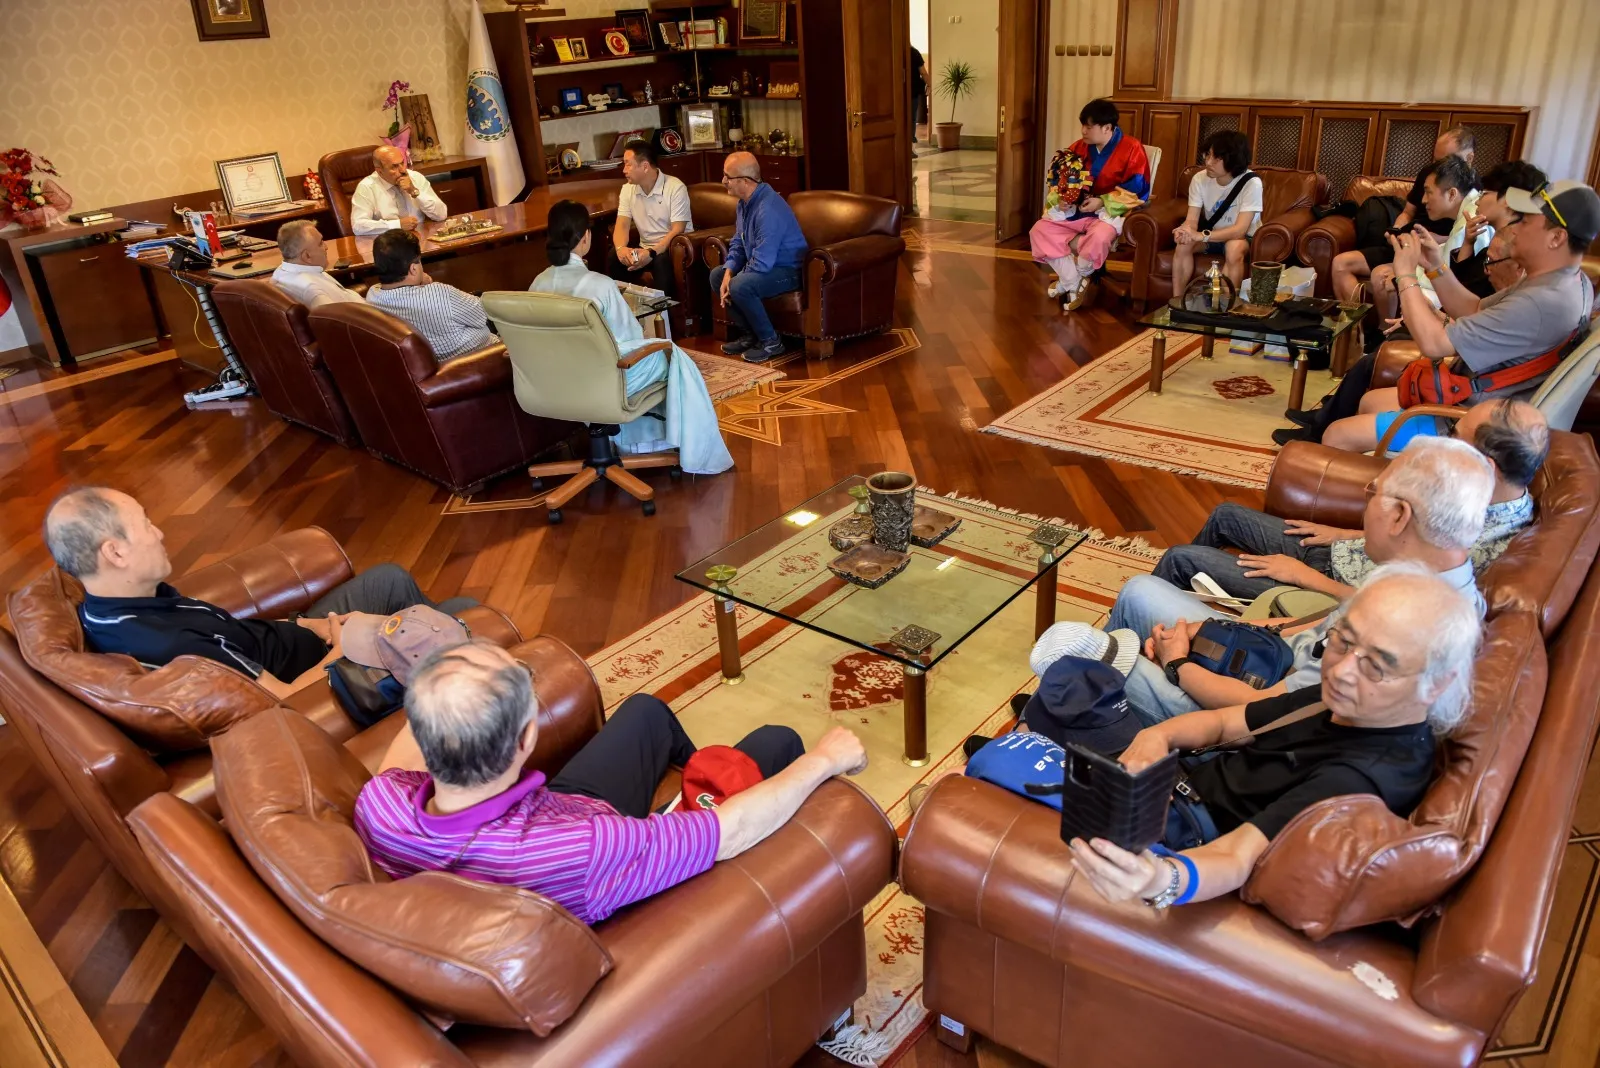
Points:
(655, 204)
(303, 274)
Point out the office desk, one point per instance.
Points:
(508, 258)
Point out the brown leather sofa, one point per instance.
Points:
(1361, 938)
(108, 733)
(340, 173)
(848, 278)
(746, 964)
(456, 423)
(711, 207)
(273, 338)
(1287, 199)
(1324, 239)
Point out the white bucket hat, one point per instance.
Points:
(1120, 648)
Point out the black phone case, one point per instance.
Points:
(1102, 799)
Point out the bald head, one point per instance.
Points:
(103, 538)
(1513, 434)
(741, 174)
(470, 708)
(389, 163)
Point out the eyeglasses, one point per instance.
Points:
(726, 178)
(1341, 643)
(1372, 491)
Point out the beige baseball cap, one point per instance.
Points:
(397, 643)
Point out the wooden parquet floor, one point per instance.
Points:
(217, 480)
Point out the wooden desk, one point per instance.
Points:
(508, 258)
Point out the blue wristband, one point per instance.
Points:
(1188, 865)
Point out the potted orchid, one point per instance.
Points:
(399, 137)
(26, 197)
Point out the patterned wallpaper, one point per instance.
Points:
(1538, 53)
(130, 105)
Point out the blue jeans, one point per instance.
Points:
(1145, 601)
(746, 292)
(1235, 526)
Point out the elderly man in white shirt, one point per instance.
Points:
(657, 205)
(392, 197)
(303, 274)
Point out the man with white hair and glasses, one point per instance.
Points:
(1397, 675)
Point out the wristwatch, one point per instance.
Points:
(1169, 893)
(1170, 669)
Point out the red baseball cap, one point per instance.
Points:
(716, 773)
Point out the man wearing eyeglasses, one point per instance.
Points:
(1396, 676)
(764, 259)
(1427, 508)
(1553, 227)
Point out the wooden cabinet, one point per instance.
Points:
(97, 301)
(689, 167)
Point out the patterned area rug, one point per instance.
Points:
(727, 377)
(1213, 418)
(811, 682)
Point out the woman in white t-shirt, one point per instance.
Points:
(1226, 155)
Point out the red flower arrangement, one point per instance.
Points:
(1069, 179)
(24, 198)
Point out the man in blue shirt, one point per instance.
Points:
(764, 258)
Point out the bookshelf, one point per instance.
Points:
(534, 78)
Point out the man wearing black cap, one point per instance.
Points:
(1552, 228)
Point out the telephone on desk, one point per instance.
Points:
(188, 256)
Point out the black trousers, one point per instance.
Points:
(622, 764)
(1346, 399)
(658, 275)
(382, 590)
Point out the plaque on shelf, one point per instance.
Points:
(929, 526)
(850, 531)
(869, 566)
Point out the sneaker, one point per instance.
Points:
(737, 345)
(1289, 433)
(1301, 417)
(971, 746)
(1019, 701)
(761, 352)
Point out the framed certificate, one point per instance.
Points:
(252, 183)
(763, 20)
(702, 125)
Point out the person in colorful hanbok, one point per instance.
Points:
(1093, 184)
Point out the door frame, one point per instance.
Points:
(1038, 151)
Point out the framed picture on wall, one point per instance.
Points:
(229, 20)
(763, 20)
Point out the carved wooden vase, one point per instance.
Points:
(893, 505)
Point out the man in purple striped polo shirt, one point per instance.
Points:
(453, 794)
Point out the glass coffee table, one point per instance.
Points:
(1342, 322)
(915, 619)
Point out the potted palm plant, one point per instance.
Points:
(955, 81)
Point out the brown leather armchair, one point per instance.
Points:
(848, 277)
(456, 423)
(273, 338)
(108, 733)
(711, 207)
(1324, 239)
(1287, 199)
(341, 172)
(348, 967)
(1308, 965)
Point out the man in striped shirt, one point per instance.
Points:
(453, 322)
(454, 796)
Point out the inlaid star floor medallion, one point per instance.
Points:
(759, 413)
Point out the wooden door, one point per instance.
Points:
(1405, 142)
(1281, 137)
(1165, 128)
(1019, 173)
(1499, 137)
(877, 55)
(1207, 119)
(1342, 142)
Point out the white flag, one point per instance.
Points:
(488, 121)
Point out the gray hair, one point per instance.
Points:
(1517, 439)
(467, 717)
(294, 237)
(1453, 635)
(1448, 484)
(77, 524)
